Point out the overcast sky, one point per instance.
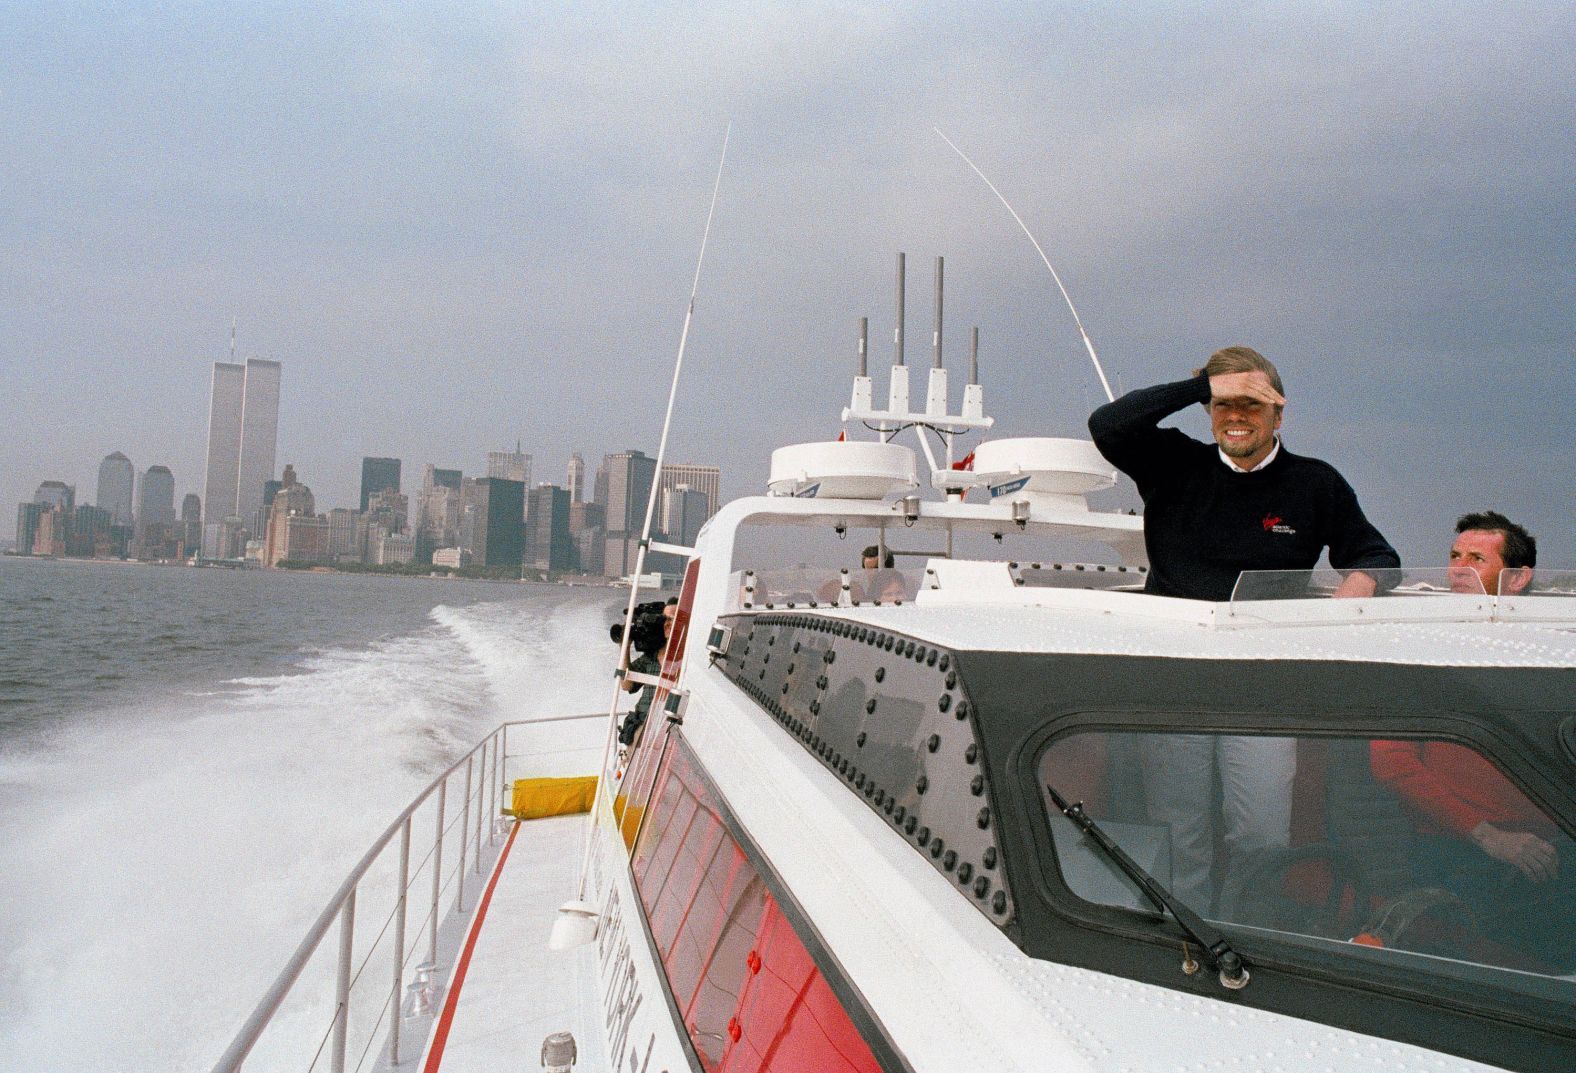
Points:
(459, 225)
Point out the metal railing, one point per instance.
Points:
(485, 775)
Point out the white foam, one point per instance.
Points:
(160, 863)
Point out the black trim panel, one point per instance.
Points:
(1512, 715)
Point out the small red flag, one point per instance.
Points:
(842, 437)
(967, 462)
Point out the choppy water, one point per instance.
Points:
(191, 760)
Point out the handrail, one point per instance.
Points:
(251, 1031)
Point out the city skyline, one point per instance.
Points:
(456, 234)
(451, 520)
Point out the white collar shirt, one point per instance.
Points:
(1238, 469)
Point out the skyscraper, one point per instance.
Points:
(155, 513)
(243, 433)
(548, 545)
(224, 441)
(629, 477)
(257, 524)
(684, 511)
(294, 500)
(115, 482)
(699, 478)
(495, 510)
(577, 478)
(191, 522)
(259, 433)
(378, 475)
(156, 497)
(27, 519)
(436, 510)
(56, 494)
(510, 465)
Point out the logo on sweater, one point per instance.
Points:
(1272, 524)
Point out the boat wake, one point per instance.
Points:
(163, 859)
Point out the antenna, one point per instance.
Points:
(1088, 344)
(232, 340)
(897, 334)
(935, 341)
(935, 415)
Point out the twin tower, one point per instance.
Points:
(243, 432)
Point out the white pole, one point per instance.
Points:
(611, 742)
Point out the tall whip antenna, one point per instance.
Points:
(1088, 344)
(667, 419)
(656, 479)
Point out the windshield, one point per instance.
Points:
(1324, 582)
(813, 586)
(1418, 851)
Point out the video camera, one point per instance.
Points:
(648, 631)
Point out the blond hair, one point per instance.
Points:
(1241, 359)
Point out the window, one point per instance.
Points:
(751, 997)
(1418, 851)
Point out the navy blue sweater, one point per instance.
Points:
(1204, 524)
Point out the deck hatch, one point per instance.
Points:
(891, 718)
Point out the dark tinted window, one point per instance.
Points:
(1407, 850)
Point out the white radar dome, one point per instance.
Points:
(852, 469)
(1046, 472)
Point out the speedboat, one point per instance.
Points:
(996, 809)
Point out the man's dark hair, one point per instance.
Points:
(1520, 548)
(873, 552)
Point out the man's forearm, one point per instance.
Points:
(1145, 408)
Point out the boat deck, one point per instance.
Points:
(509, 990)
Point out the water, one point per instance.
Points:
(191, 760)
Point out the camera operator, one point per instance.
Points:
(648, 636)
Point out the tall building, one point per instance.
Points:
(345, 537)
(57, 495)
(699, 478)
(156, 497)
(27, 522)
(224, 441)
(494, 521)
(293, 500)
(377, 475)
(258, 523)
(548, 545)
(629, 477)
(576, 482)
(586, 530)
(115, 482)
(243, 434)
(259, 433)
(92, 533)
(599, 485)
(50, 536)
(684, 511)
(510, 465)
(155, 533)
(191, 522)
(389, 510)
(436, 512)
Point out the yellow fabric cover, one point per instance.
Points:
(536, 798)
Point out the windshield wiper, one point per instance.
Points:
(1217, 951)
